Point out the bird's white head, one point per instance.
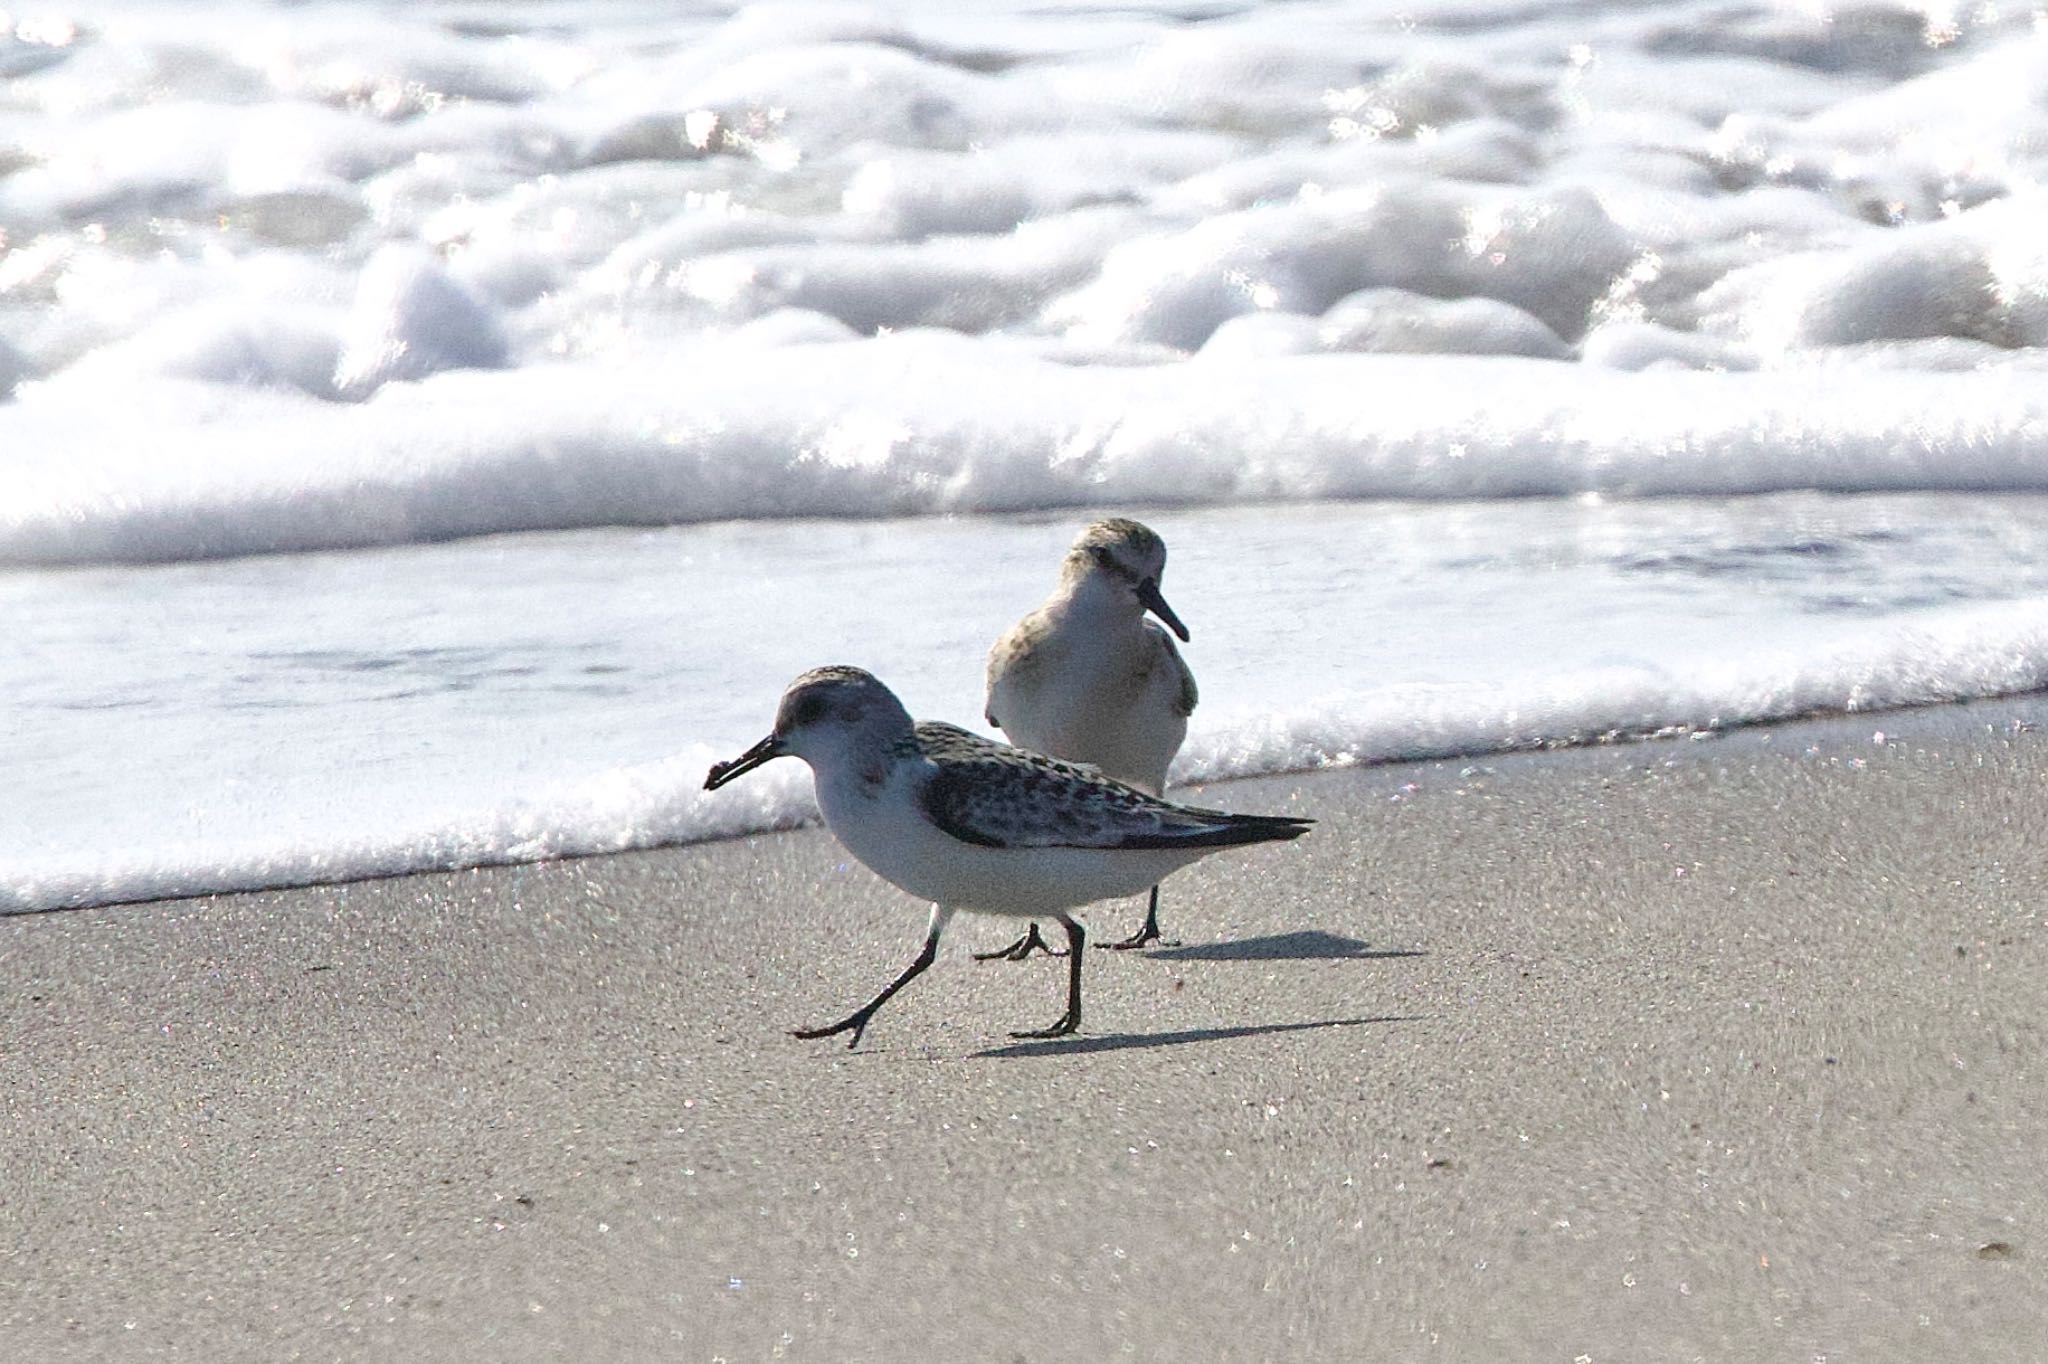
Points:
(831, 718)
(1127, 559)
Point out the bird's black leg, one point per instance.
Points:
(1149, 933)
(1072, 1018)
(1020, 949)
(858, 1019)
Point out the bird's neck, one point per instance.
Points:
(855, 771)
(1094, 599)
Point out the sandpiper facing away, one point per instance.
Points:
(1086, 677)
(972, 824)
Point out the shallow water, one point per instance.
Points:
(287, 718)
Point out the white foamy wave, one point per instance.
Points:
(650, 223)
(916, 424)
(1943, 657)
(412, 319)
(611, 811)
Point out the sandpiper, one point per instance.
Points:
(1086, 677)
(969, 823)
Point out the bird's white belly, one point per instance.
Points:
(1084, 715)
(886, 831)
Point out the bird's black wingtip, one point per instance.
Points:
(1271, 828)
(1229, 831)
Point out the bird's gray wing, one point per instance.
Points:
(997, 796)
(1022, 649)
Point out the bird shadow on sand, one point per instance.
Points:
(1075, 1046)
(1310, 944)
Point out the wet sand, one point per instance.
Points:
(1722, 1050)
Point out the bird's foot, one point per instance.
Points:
(1059, 1029)
(1021, 949)
(856, 1022)
(1144, 937)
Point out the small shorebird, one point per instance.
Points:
(969, 823)
(1086, 677)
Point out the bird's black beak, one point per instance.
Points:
(721, 773)
(1148, 593)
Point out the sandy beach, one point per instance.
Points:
(1725, 1049)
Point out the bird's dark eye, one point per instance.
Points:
(808, 710)
(1103, 558)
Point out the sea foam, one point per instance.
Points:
(357, 282)
(920, 423)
